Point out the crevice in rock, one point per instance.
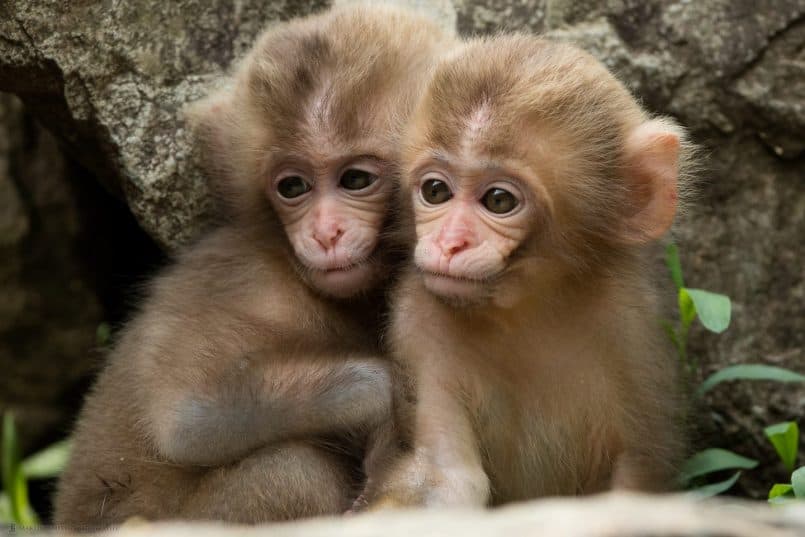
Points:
(78, 262)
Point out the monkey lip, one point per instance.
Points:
(334, 268)
(344, 268)
(345, 280)
(452, 286)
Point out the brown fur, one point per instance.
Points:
(556, 377)
(239, 392)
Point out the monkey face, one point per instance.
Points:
(470, 218)
(332, 213)
(528, 164)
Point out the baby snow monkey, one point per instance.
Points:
(246, 386)
(528, 319)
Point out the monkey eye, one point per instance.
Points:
(355, 179)
(499, 201)
(435, 191)
(292, 187)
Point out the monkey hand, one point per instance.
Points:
(386, 502)
(362, 392)
(416, 481)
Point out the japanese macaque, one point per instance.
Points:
(247, 386)
(528, 319)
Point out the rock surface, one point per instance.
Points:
(48, 313)
(68, 255)
(110, 80)
(601, 516)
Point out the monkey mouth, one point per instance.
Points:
(341, 268)
(449, 285)
(345, 267)
(336, 268)
(344, 280)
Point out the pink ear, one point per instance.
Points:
(652, 158)
(209, 118)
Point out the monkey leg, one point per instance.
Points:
(281, 482)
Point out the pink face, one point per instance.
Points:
(333, 214)
(470, 217)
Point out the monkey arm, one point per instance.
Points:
(445, 468)
(255, 404)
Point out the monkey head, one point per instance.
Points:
(527, 164)
(306, 137)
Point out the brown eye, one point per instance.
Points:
(354, 179)
(499, 201)
(435, 191)
(292, 187)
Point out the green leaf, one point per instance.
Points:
(5, 509)
(10, 458)
(670, 331)
(673, 264)
(14, 483)
(687, 310)
(781, 489)
(781, 500)
(749, 372)
(714, 310)
(716, 488)
(798, 482)
(103, 334)
(21, 508)
(47, 463)
(713, 460)
(785, 438)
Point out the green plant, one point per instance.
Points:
(714, 311)
(749, 372)
(710, 461)
(15, 507)
(785, 492)
(785, 439)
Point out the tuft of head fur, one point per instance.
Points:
(340, 82)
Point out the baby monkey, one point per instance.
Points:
(245, 388)
(528, 321)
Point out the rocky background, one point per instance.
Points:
(98, 178)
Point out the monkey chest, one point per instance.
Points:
(559, 442)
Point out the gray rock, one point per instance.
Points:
(605, 515)
(111, 79)
(48, 311)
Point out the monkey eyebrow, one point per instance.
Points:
(339, 158)
(444, 160)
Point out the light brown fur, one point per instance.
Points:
(551, 375)
(240, 391)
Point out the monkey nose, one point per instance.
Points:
(327, 238)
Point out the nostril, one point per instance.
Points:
(319, 241)
(328, 238)
(455, 247)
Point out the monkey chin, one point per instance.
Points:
(345, 282)
(456, 291)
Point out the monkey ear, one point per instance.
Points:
(207, 117)
(652, 173)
